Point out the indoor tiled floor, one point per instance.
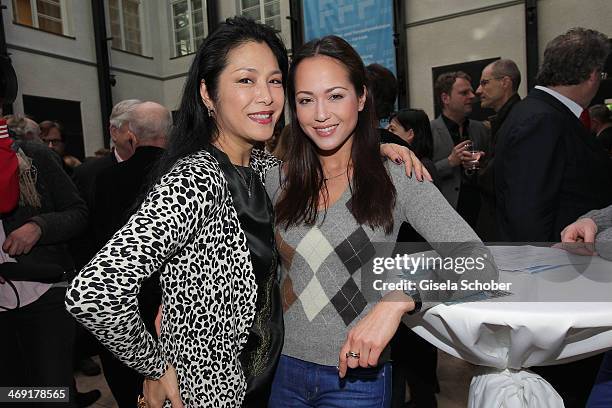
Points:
(454, 376)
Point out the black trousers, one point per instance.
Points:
(414, 361)
(468, 203)
(124, 382)
(36, 346)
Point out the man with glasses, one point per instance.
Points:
(51, 133)
(549, 170)
(498, 90)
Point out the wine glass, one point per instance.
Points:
(474, 161)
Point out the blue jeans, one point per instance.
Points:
(601, 394)
(300, 384)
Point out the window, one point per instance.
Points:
(266, 11)
(189, 25)
(125, 25)
(43, 14)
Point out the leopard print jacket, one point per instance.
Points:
(188, 228)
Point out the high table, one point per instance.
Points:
(554, 316)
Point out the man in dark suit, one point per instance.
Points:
(549, 169)
(117, 190)
(498, 90)
(452, 131)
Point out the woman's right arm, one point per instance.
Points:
(103, 297)
(602, 217)
(426, 209)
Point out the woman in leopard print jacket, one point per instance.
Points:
(207, 225)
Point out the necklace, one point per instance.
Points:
(337, 175)
(246, 184)
(243, 180)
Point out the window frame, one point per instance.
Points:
(191, 26)
(34, 15)
(122, 28)
(262, 12)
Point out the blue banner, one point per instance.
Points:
(366, 24)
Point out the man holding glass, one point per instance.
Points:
(459, 143)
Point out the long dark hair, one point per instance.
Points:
(193, 129)
(418, 121)
(373, 193)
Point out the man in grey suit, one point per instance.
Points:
(452, 131)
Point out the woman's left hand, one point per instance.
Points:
(372, 334)
(156, 392)
(400, 154)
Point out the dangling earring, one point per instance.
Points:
(209, 112)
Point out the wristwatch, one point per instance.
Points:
(416, 297)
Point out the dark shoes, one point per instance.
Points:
(85, 399)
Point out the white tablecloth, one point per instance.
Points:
(534, 326)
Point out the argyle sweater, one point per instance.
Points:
(327, 271)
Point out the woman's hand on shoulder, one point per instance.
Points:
(400, 154)
(156, 392)
(367, 340)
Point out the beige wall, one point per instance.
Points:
(495, 33)
(70, 81)
(227, 8)
(131, 86)
(557, 16)
(173, 90)
(419, 10)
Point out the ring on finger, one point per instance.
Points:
(142, 402)
(352, 354)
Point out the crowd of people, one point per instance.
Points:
(219, 260)
(63, 212)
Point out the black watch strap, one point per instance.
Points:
(416, 297)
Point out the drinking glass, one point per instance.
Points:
(474, 162)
